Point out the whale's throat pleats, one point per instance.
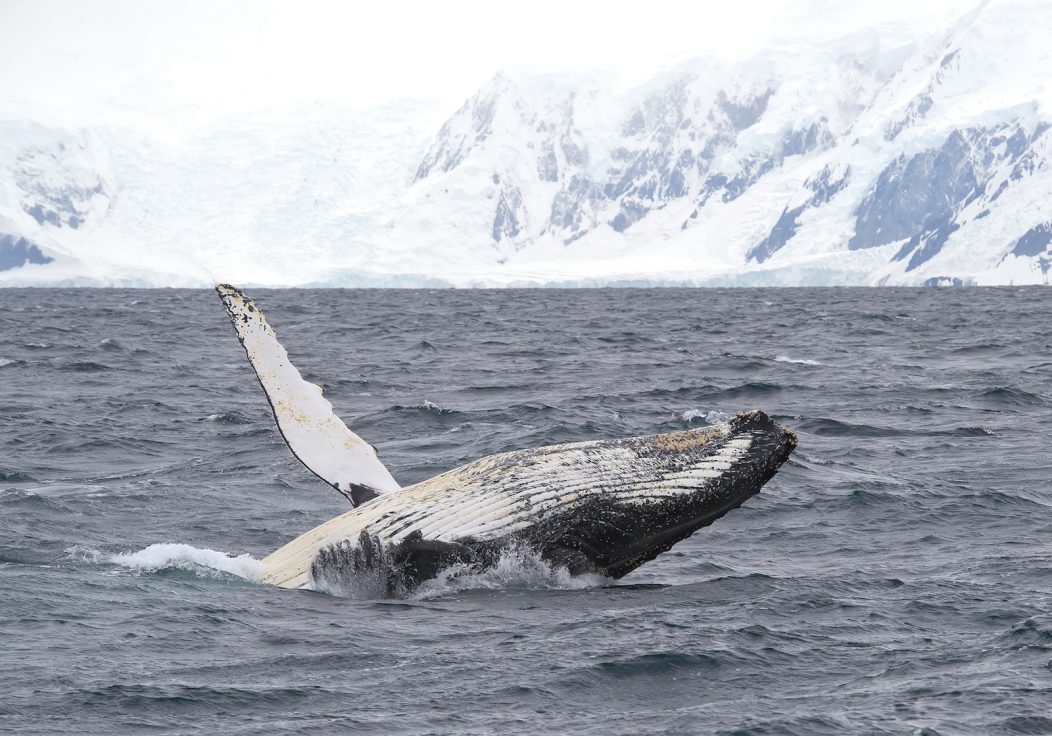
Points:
(316, 436)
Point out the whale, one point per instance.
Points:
(599, 508)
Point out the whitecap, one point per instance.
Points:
(797, 361)
(431, 406)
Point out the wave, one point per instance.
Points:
(984, 347)
(658, 663)
(426, 407)
(796, 361)
(4, 362)
(1012, 395)
(15, 476)
(434, 408)
(968, 432)
(85, 366)
(687, 392)
(731, 362)
(753, 388)
(826, 427)
(167, 556)
(231, 417)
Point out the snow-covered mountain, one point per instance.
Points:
(875, 159)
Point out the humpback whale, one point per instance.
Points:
(603, 507)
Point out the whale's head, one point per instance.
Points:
(681, 482)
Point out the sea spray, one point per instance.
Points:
(204, 562)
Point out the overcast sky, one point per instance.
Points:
(71, 58)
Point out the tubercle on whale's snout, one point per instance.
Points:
(764, 420)
(760, 420)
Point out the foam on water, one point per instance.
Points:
(206, 562)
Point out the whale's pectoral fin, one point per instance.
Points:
(316, 436)
(417, 559)
(374, 568)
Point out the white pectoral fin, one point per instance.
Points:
(316, 436)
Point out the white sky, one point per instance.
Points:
(73, 58)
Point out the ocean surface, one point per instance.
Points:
(895, 577)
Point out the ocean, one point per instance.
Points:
(894, 578)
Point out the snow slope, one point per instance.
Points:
(877, 159)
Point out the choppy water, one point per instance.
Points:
(895, 577)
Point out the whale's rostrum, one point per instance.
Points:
(603, 507)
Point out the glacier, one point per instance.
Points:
(881, 158)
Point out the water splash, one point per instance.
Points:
(711, 418)
(202, 562)
(517, 568)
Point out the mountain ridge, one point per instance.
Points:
(925, 162)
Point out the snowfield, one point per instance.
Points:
(874, 160)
